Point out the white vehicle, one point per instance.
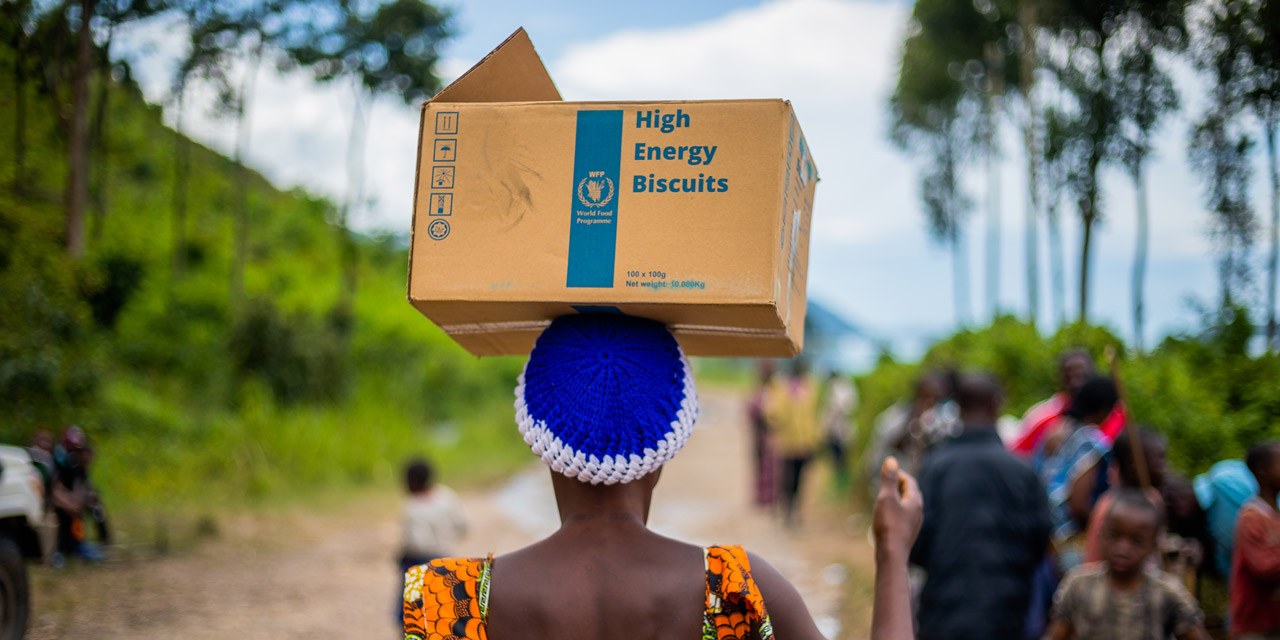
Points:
(22, 518)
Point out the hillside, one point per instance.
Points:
(188, 395)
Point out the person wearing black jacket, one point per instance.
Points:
(986, 527)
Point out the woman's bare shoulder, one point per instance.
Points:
(787, 611)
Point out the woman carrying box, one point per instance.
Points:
(605, 401)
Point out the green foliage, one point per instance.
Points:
(188, 398)
(1206, 395)
(47, 351)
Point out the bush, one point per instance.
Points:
(298, 357)
(1207, 396)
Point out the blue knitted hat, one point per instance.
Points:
(606, 398)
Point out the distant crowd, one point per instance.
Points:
(1070, 523)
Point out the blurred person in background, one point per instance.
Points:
(70, 493)
(1221, 491)
(1075, 366)
(1069, 461)
(908, 429)
(765, 468)
(1124, 597)
(1255, 564)
(839, 401)
(94, 508)
(791, 408)
(1123, 470)
(986, 527)
(432, 519)
(40, 448)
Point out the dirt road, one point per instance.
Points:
(330, 573)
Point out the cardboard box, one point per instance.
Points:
(694, 213)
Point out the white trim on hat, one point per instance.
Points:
(610, 469)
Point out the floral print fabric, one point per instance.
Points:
(448, 599)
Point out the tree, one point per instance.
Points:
(1025, 44)
(1057, 174)
(391, 50)
(1240, 51)
(980, 48)
(19, 18)
(110, 15)
(78, 140)
(932, 116)
(1144, 93)
(247, 32)
(1085, 31)
(1220, 154)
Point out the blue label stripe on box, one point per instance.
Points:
(593, 215)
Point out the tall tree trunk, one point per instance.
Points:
(1089, 216)
(181, 173)
(240, 249)
(1056, 267)
(355, 192)
(1026, 21)
(960, 276)
(994, 89)
(1275, 226)
(1140, 256)
(1084, 269)
(78, 151)
(19, 111)
(1033, 232)
(98, 194)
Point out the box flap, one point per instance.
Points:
(512, 72)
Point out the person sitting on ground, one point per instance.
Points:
(1122, 597)
(1068, 463)
(40, 448)
(1255, 566)
(605, 401)
(433, 520)
(986, 527)
(1075, 366)
(70, 494)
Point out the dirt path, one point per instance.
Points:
(331, 574)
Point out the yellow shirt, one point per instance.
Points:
(791, 410)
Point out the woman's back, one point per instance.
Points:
(599, 582)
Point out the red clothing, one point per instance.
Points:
(1041, 419)
(1255, 570)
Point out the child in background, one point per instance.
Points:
(1255, 562)
(433, 519)
(1122, 598)
(1125, 468)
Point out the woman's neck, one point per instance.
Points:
(582, 504)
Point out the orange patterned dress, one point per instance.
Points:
(448, 599)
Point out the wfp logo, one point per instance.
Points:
(595, 190)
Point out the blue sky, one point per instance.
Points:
(871, 259)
